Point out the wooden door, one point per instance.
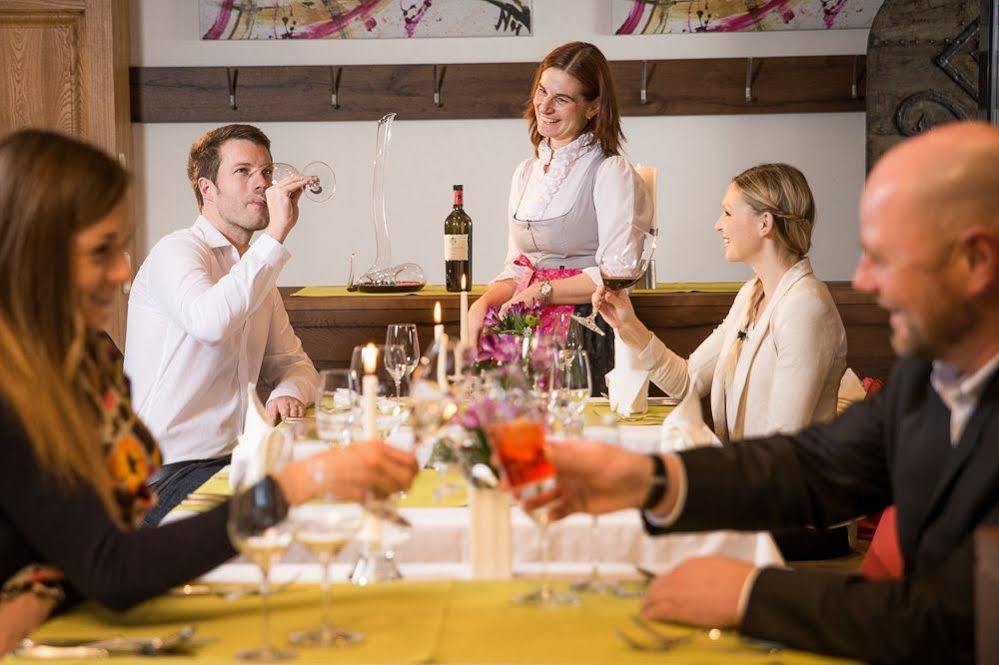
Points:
(64, 66)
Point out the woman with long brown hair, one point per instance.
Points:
(571, 197)
(776, 361)
(73, 456)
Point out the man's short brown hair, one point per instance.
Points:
(204, 160)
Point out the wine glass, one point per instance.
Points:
(320, 188)
(337, 406)
(606, 431)
(571, 387)
(325, 529)
(255, 531)
(390, 413)
(622, 264)
(404, 336)
(519, 443)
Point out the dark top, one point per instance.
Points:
(893, 448)
(41, 522)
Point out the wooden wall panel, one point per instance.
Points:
(42, 78)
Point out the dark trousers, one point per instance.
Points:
(599, 349)
(173, 482)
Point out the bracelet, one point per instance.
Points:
(42, 582)
(657, 490)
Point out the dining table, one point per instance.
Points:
(439, 612)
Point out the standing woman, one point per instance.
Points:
(569, 199)
(775, 363)
(74, 458)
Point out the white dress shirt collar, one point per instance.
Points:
(960, 392)
(205, 230)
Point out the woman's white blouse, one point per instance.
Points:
(619, 196)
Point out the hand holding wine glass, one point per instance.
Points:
(622, 264)
(319, 184)
(257, 529)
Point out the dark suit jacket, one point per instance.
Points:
(894, 448)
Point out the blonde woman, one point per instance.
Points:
(775, 362)
(74, 458)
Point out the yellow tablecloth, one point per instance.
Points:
(651, 418)
(478, 289)
(430, 490)
(417, 622)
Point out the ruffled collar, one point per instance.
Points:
(560, 161)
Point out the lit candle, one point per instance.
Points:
(442, 361)
(463, 296)
(649, 175)
(438, 326)
(369, 386)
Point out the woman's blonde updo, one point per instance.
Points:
(783, 191)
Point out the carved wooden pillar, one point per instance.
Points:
(922, 69)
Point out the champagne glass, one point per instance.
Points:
(320, 188)
(606, 431)
(519, 443)
(622, 264)
(571, 387)
(325, 529)
(405, 336)
(337, 406)
(256, 532)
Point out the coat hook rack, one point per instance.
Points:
(438, 85)
(857, 77)
(232, 76)
(335, 73)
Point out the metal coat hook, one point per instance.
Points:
(438, 85)
(749, 80)
(643, 93)
(335, 73)
(855, 80)
(232, 75)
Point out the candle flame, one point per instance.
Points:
(369, 357)
(464, 286)
(437, 312)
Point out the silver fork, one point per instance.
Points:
(659, 641)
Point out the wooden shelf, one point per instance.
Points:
(807, 84)
(330, 327)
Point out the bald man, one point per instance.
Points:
(928, 443)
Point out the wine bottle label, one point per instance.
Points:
(458, 197)
(456, 247)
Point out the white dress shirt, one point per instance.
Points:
(204, 322)
(619, 200)
(960, 393)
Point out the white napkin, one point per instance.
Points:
(249, 458)
(685, 428)
(851, 390)
(627, 383)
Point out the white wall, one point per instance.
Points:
(695, 155)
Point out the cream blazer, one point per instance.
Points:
(789, 369)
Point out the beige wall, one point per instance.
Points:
(695, 155)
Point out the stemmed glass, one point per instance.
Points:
(320, 188)
(606, 431)
(391, 413)
(325, 530)
(571, 385)
(404, 362)
(255, 531)
(337, 406)
(622, 264)
(520, 446)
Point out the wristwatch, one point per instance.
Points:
(657, 489)
(545, 292)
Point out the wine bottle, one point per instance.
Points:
(457, 244)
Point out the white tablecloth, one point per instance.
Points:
(439, 543)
